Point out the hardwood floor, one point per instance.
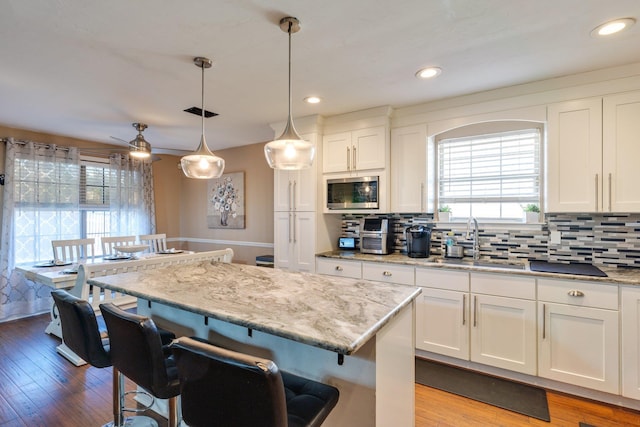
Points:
(40, 388)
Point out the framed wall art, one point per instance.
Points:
(225, 206)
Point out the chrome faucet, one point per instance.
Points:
(476, 239)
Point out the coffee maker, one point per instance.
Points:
(418, 241)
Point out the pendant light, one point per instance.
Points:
(289, 151)
(202, 163)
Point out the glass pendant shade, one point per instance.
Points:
(202, 163)
(289, 151)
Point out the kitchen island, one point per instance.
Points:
(354, 334)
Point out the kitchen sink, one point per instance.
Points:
(482, 263)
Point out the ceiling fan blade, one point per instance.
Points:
(120, 139)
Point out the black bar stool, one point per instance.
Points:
(137, 352)
(221, 387)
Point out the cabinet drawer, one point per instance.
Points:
(504, 285)
(402, 274)
(442, 279)
(338, 267)
(588, 294)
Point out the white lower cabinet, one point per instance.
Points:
(578, 333)
(402, 274)
(442, 312)
(485, 318)
(294, 245)
(630, 297)
(503, 321)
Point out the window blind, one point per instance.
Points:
(493, 169)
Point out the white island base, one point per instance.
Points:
(376, 383)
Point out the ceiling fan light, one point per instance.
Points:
(202, 163)
(140, 149)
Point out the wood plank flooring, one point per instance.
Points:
(40, 388)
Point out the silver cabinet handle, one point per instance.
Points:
(387, 273)
(575, 293)
(475, 310)
(348, 158)
(289, 228)
(597, 193)
(294, 228)
(293, 196)
(354, 158)
(338, 268)
(464, 306)
(609, 192)
(289, 201)
(544, 321)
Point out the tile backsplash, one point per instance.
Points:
(605, 239)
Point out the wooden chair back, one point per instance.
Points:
(108, 243)
(73, 250)
(156, 242)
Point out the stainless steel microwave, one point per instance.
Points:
(353, 193)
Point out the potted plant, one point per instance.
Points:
(532, 213)
(444, 213)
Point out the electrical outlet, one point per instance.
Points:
(555, 237)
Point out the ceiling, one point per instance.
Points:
(90, 68)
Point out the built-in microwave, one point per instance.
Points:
(353, 193)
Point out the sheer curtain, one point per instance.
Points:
(131, 200)
(40, 203)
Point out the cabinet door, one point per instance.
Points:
(442, 322)
(503, 333)
(283, 240)
(579, 345)
(304, 241)
(336, 152)
(282, 190)
(621, 142)
(370, 148)
(574, 157)
(409, 169)
(630, 298)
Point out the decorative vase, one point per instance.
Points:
(444, 216)
(532, 217)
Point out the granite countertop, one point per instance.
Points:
(333, 313)
(622, 275)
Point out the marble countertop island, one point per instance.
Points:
(331, 313)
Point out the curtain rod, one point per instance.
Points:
(43, 144)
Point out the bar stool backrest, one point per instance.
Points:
(80, 329)
(224, 387)
(73, 250)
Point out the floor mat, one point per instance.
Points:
(521, 398)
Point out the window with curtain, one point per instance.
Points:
(66, 196)
(490, 177)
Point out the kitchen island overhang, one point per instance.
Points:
(299, 320)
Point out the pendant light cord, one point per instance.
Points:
(290, 25)
(202, 98)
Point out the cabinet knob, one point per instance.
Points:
(338, 268)
(575, 293)
(387, 274)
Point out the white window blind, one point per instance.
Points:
(490, 176)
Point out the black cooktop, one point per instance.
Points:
(562, 268)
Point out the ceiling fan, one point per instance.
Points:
(138, 147)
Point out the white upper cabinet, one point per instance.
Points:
(574, 156)
(354, 151)
(592, 155)
(409, 169)
(621, 151)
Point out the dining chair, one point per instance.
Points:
(156, 242)
(73, 250)
(108, 243)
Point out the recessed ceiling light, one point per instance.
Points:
(612, 27)
(428, 73)
(312, 99)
